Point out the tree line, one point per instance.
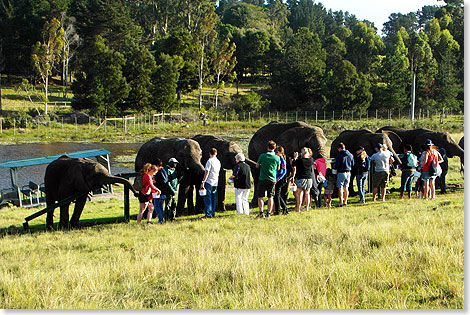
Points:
(145, 54)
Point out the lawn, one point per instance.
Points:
(399, 254)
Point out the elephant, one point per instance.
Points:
(226, 151)
(365, 138)
(416, 138)
(461, 143)
(292, 136)
(187, 152)
(67, 176)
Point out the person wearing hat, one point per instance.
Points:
(431, 157)
(382, 159)
(174, 177)
(361, 165)
(241, 182)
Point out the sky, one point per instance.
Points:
(377, 11)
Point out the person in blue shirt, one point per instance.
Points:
(279, 202)
(344, 163)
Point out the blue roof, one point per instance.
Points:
(49, 158)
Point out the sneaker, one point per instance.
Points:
(260, 215)
(149, 222)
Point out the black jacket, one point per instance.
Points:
(242, 179)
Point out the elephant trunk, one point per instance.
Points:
(251, 163)
(119, 180)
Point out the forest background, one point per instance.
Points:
(113, 57)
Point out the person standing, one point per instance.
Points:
(279, 202)
(174, 177)
(268, 163)
(210, 182)
(303, 174)
(362, 165)
(319, 169)
(145, 194)
(431, 155)
(383, 159)
(161, 182)
(408, 167)
(441, 179)
(242, 183)
(344, 164)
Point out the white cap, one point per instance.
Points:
(173, 160)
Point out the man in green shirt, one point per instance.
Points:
(268, 163)
(174, 176)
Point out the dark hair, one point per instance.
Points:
(280, 149)
(157, 162)
(328, 172)
(213, 151)
(341, 146)
(271, 145)
(408, 147)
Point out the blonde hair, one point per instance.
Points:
(305, 152)
(363, 155)
(147, 168)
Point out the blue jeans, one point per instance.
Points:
(210, 200)
(406, 179)
(158, 207)
(361, 186)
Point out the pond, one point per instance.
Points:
(122, 158)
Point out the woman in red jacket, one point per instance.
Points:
(430, 155)
(145, 194)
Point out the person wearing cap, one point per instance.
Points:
(174, 177)
(161, 182)
(210, 182)
(242, 183)
(361, 165)
(382, 159)
(344, 164)
(430, 155)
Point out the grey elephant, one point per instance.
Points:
(226, 151)
(188, 153)
(67, 176)
(365, 138)
(417, 137)
(292, 136)
(461, 143)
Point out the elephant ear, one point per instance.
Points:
(295, 139)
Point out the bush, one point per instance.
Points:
(251, 102)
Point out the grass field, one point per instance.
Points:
(398, 254)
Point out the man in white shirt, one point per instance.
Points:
(383, 159)
(210, 181)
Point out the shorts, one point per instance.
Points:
(406, 179)
(380, 180)
(328, 192)
(144, 198)
(425, 176)
(265, 187)
(304, 183)
(343, 179)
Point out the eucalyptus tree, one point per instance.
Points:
(71, 43)
(48, 53)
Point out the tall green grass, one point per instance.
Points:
(398, 254)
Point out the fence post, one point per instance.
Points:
(305, 116)
(316, 116)
(324, 115)
(286, 117)
(249, 116)
(376, 114)
(1, 125)
(296, 116)
(333, 115)
(277, 116)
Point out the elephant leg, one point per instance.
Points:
(254, 200)
(190, 201)
(77, 211)
(221, 191)
(64, 216)
(50, 220)
(200, 205)
(182, 194)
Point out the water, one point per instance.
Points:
(122, 158)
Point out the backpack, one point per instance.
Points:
(411, 160)
(138, 183)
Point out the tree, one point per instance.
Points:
(396, 73)
(71, 42)
(48, 53)
(165, 82)
(101, 86)
(364, 46)
(306, 13)
(205, 36)
(396, 21)
(223, 63)
(246, 16)
(301, 68)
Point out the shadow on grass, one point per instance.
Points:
(86, 223)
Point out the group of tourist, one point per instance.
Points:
(298, 173)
